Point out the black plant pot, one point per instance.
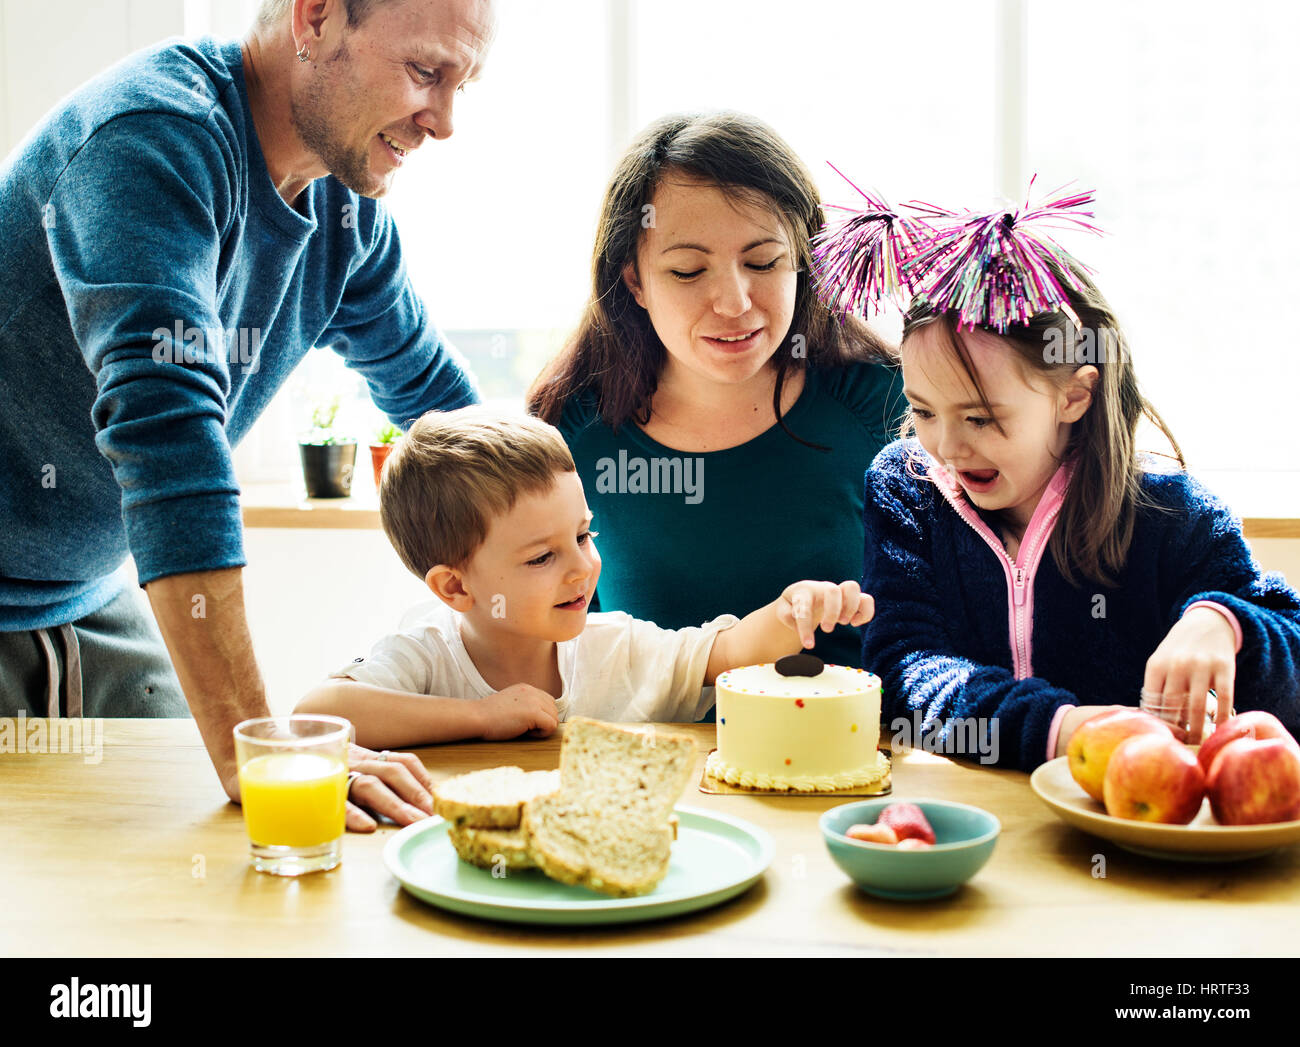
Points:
(327, 469)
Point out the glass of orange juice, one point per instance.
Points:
(293, 785)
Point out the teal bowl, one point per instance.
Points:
(964, 840)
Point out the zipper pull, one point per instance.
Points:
(1020, 586)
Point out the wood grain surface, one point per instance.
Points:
(139, 854)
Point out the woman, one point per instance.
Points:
(720, 417)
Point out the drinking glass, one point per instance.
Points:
(293, 782)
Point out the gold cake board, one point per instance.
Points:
(884, 787)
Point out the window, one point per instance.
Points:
(1179, 116)
(1184, 121)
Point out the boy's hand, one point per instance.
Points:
(1199, 653)
(804, 605)
(516, 710)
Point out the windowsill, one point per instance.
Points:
(1273, 500)
(286, 505)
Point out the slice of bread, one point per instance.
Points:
(491, 848)
(491, 799)
(608, 827)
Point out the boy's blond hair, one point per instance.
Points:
(453, 472)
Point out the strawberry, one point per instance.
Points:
(872, 833)
(908, 822)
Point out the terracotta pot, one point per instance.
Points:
(378, 456)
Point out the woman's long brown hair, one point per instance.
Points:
(615, 350)
(1095, 528)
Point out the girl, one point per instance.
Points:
(1029, 570)
(720, 416)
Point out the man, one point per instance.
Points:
(177, 235)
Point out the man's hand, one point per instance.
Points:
(805, 605)
(517, 710)
(395, 785)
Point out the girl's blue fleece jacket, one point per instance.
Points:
(941, 640)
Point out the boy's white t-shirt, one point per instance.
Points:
(620, 668)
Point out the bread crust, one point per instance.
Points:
(491, 799)
(603, 821)
(491, 848)
(609, 828)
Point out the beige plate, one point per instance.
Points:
(1204, 840)
(882, 788)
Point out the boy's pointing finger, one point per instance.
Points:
(866, 609)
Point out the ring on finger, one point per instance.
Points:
(384, 755)
(352, 777)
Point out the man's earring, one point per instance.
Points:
(303, 53)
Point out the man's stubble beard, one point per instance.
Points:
(311, 114)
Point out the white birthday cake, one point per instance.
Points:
(805, 728)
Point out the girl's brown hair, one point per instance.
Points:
(615, 350)
(1095, 527)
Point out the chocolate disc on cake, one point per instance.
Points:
(799, 665)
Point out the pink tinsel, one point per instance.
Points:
(859, 262)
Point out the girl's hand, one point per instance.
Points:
(804, 605)
(1199, 653)
(1075, 719)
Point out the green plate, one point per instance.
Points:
(714, 858)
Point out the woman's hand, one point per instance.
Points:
(1199, 653)
(805, 605)
(395, 785)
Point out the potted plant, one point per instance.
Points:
(383, 444)
(327, 458)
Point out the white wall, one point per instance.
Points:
(1279, 554)
(317, 599)
(47, 49)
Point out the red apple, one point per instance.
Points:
(1255, 780)
(1093, 743)
(1256, 724)
(1154, 778)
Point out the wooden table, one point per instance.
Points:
(140, 855)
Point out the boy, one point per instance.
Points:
(488, 510)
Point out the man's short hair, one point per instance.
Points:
(453, 472)
(358, 10)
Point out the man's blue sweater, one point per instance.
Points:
(940, 639)
(155, 292)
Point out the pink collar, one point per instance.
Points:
(1048, 505)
